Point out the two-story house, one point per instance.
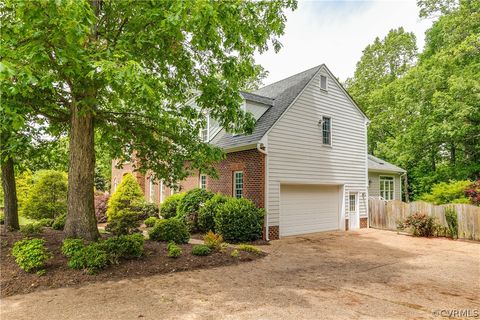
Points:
(306, 161)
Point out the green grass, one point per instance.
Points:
(24, 220)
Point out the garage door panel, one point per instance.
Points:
(308, 209)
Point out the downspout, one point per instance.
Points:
(259, 148)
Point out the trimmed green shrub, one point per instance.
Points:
(235, 254)
(452, 222)
(190, 204)
(168, 209)
(169, 230)
(420, 225)
(71, 246)
(448, 192)
(212, 240)
(31, 228)
(46, 222)
(90, 258)
(206, 214)
(48, 196)
(126, 247)
(59, 222)
(31, 254)
(173, 251)
(239, 220)
(150, 221)
(126, 198)
(248, 248)
(201, 250)
(146, 210)
(125, 222)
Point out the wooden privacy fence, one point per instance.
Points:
(385, 215)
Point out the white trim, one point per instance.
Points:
(235, 183)
(326, 83)
(342, 214)
(151, 189)
(200, 181)
(380, 184)
(161, 191)
(331, 130)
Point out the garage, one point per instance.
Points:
(309, 208)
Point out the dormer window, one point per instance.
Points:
(323, 82)
(204, 132)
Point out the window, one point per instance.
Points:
(161, 191)
(327, 130)
(386, 188)
(151, 189)
(323, 83)
(115, 184)
(204, 131)
(203, 181)
(352, 203)
(238, 184)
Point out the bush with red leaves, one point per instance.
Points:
(473, 193)
(101, 202)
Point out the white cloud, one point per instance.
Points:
(336, 32)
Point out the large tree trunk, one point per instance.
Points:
(81, 221)
(10, 195)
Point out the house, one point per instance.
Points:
(384, 179)
(306, 161)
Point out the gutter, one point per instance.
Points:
(267, 231)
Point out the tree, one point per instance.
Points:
(126, 69)
(126, 198)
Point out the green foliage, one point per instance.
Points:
(46, 222)
(420, 225)
(173, 251)
(201, 250)
(31, 254)
(71, 246)
(150, 221)
(190, 204)
(238, 220)
(48, 196)
(2, 218)
(452, 222)
(168, 209)
(451, 192)
(169, 230)
(59, 222)
(126, 247)
(124, 222)
(235, 254)
(125, 199)
(90, 258)
(213, 241)
(31, 228)
(146, 210)
(206, 214)
(248, 248)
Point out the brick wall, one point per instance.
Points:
(363, 222)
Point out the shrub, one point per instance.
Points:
(248, 248)
(126, 247)
(451, 192)
(201, 250)
(150, 221)
(213, 241)
(206, 214)
(238, 220)
(125, 222)
(452, 222)
(146, 210)
(420, 224)
(48, 196)
(71, 246)
(31, 228)
(473, 193)
(30, 254)
(59, 222)
(126, 198)
(2, 218)
(173, 251)
(46, 222)
(235, 254)
(90, 258)
(168, 209)
(101, 205)
(189, 206)
(169, 230)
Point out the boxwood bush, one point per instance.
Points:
(150, 221)
(173, 251)
(190, 204)
(31, 254)
(206, 214)
(168, 230)
(90, 258)
(168, 209)
(201, 250)
(123, 247)
(239, 220)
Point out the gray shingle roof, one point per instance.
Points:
(379, 165)
(278, 96)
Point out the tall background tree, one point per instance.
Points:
(124, 70)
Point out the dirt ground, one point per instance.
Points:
(348, 275)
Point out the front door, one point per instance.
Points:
(353, 210)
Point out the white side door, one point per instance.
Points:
(353, 211)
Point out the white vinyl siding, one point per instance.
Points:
(256, 109)
(296, 154)
(374, 184)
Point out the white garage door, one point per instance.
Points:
(307, 209)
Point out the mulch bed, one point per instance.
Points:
(14, 281)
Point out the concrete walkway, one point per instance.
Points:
(347, 275)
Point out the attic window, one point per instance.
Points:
(323, 82)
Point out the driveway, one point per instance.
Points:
(350, 275)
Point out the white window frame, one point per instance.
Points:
(331, 130)
(151, 189)
(355, 204)
(161, 191)
(326, 83)
(391, 190)
(205, 132)
(115, 184)
(202, 185)
(235, 188)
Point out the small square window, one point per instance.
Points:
(352, 203)
(327, 130)
(203, 181)
(323, 83)
(238, 184)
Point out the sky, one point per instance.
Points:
(335, 33)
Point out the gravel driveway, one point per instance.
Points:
(354, 275)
